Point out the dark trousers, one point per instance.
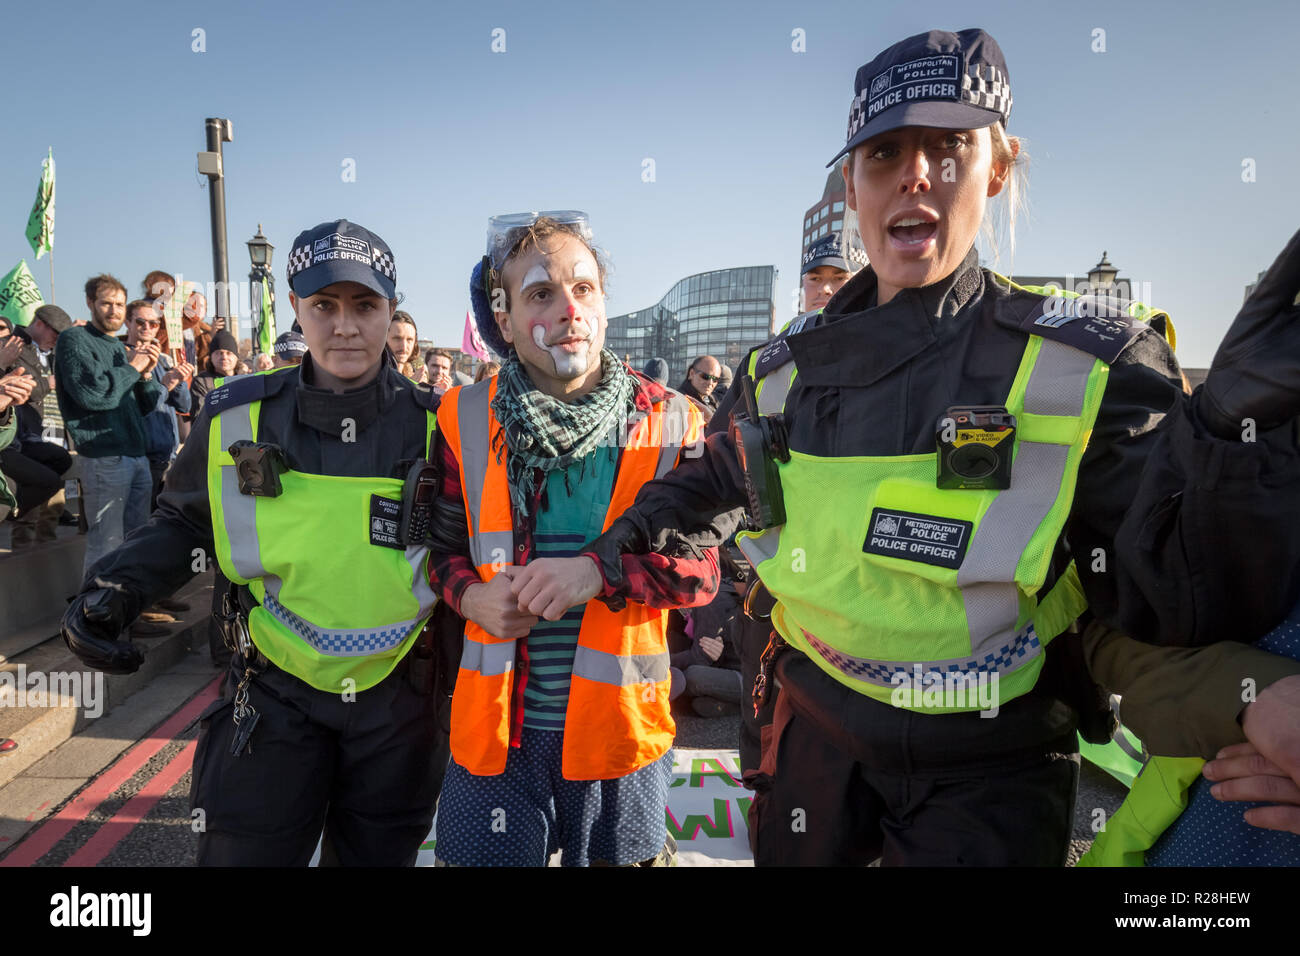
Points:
(366, 771)
(848, 779)
(37, 468)
(156, 470)
(751, 637)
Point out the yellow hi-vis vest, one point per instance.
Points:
(914, 595)
(336, 611)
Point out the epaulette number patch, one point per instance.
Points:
(1086, 323)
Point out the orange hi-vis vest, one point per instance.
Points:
(617, 719)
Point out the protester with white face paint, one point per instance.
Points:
(560, 722)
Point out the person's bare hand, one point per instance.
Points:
(144, 358)
(444, 381)
(712, 647)
(218, 324)
(16, 388)
(493, 606)
(550, 586)
(10, 348)
(1241, 772)
(1267, 767)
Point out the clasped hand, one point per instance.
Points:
(517, 597)
(1267, 767)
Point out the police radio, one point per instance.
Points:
(761, 441)
(419, 492)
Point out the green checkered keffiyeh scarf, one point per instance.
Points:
(547, 434)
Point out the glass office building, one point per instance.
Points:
(723, 313)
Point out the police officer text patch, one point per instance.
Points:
(385, 515)
(928, 539)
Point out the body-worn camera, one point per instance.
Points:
(259, 466)
(975, 444)
(761, 441)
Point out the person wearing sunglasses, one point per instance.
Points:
(701, 380)
(144, 324)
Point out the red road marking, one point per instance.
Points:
(37, 810)
(58, 826)
(114, 831)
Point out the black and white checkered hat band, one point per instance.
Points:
(383, 263)
(983, 86)
(986, 87)
(858, 255)
(299, 259)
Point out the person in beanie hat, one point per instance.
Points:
(311, 488)
(933, 434)
(561, 718)
(656, 370)
(222, 362)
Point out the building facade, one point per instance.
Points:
(827, 214)
(723, 313)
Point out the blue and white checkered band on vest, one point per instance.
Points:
(936, 77)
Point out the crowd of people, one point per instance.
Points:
(913, 542)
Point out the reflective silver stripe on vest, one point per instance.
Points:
(676, 424)
(762, 548)
(240, 515)
(239, 510)
(472, 421)
(487, 659)
(1019, 649)
(776, 389)
(987, 575)
(618, 669)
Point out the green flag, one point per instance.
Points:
(20, 296)
(266, 330)
(40, 224)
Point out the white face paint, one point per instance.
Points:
(567, 364)
(537, 274)
(585, 270)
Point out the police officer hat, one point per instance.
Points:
(289, 344)
(341, 251)
(827, 251)
(945, 80)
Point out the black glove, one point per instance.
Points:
(93, 629)
(1256, 371)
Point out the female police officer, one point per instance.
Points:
(941, 434)
(306, 482)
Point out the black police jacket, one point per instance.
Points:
(308, 424)
(1200, 537)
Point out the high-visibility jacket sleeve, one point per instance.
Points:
(1181, 701)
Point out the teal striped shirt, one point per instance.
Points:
(569, 518)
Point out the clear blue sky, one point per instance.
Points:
(1137, 150)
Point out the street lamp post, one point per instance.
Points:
(218, 131)
(259, 253)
